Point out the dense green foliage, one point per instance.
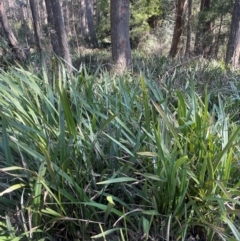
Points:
(142, 12)
(120, 157)
(151, 154)
(219, 14)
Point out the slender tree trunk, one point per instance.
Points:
(207, 33)
(36, 26)
(204, 35)
(91, 29)
(83, 20)
(74, 9)
(24, 22)
(179, 24)
(233, 48)
(12, 41)
(216, 47)
(53, 34)
(189, 29)
(121, 50)
(61, 33)
(43, 15)
(66, 17)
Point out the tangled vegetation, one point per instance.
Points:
(148, 155)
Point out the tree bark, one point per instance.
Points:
(61, 34)
(121, 50)
(74, 11)
(91, 29)
(204, 36)
(217, 43)
(43, 15)
(36, 26)
(233, 48)
(179, 24)
(66, 17)
(12, 41)
(189, 29)
(83, 19)
(28, 33)
(53, 34)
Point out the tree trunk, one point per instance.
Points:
(66, 17)
(204, 35)
(179, 24)
(43, 15)
(12, 41)
(216, 46)
(233, 48)
(61, 33)
(91, 29)
(189, 29)
(53, 34)
(121, 50)
(24, 24)
(74, 11)
(83, 20)
(36, 26)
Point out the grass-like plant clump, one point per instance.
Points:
(152, 155)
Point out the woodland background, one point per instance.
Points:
(196, 28)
